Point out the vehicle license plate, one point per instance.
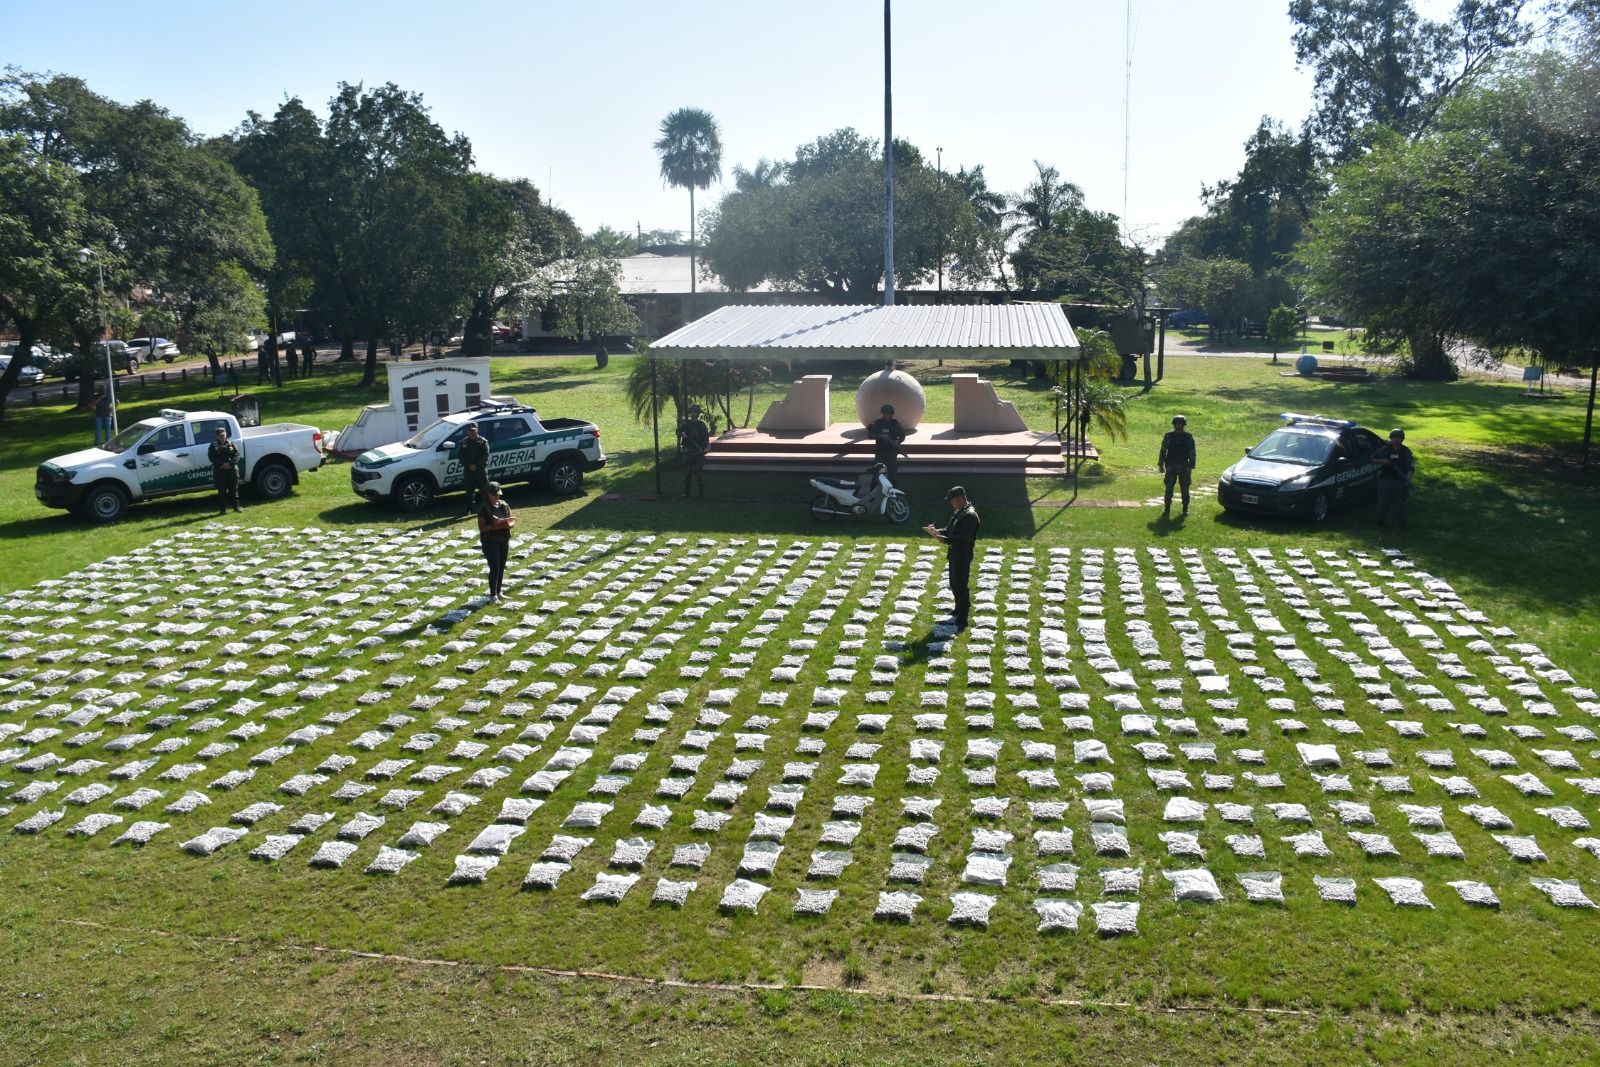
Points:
(1249, 498)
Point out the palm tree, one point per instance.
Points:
(690, 147)
(1042, 198)
(1099, 402)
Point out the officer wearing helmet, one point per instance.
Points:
(887, 436)
(1396, 467)
(1176, 460)
(694, 441)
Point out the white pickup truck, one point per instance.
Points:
(166, 455)
(522, 448)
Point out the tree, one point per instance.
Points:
(690, 147)
(1099, 401)
(1379, 65)
(1082, 256)
(361, 204)
(612, 244)
(985, 260)
(1486, 228)
(1283, 324)
(166, 215)
(43, 223)
(1043, 199)
(507, 234)
(585, 294)
(1223, 289)
(815, 223)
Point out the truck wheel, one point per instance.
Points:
(272, 480)
(105, 503)
(564, 477)
(899, 509)
(133, 366)
(414, 493)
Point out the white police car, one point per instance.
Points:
(1308, 466)
(522, 448)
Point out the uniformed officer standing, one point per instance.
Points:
(887, 436)
(1397, 466)
(224, 456)
(959, 535)
(1176, 460)
(494, 536)
(694, 440)
(475, 463)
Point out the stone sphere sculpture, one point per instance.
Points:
(891, 387)
(1306, 364)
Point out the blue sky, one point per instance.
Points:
(570, 94)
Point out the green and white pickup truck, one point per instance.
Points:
(522, 448)
(166, 455)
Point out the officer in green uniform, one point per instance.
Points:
(224, 456)
(494, 536)
(694, 438)
(1396, 466)
(959, 535)
(474, 453)
(887, 436)
(1176, 460)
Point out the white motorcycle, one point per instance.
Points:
(869, 493)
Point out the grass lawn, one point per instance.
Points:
(153, 956)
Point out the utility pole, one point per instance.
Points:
(888, 169)
(939, 156)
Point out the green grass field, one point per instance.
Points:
(156, 956)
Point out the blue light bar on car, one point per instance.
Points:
(1317, 420)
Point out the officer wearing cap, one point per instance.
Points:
(694, 441)
(494, 536)
(224, 457)
(1396, 466)
(1176, 461)
(474, 453)
(959, 535)
(887, 436)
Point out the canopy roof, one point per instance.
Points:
(874, 333)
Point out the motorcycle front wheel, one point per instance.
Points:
(899, 509)
(822, 508)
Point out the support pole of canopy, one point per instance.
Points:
(655, 420)
(1083, 435)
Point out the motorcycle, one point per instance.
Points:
(869, 493)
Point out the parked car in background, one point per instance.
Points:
(122, 358)
(150, 349)
(1187, 318)
(1305, 467)
(504, 334)
(46, 359)
(29, 375)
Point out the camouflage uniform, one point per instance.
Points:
(224, 456)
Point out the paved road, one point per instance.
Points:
(1470, 358)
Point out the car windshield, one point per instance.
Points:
(132, 435)
(431, 435)
(1293, 446)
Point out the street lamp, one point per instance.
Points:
(111, 373)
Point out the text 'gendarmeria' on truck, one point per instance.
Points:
(167, 455)
(522, 448)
